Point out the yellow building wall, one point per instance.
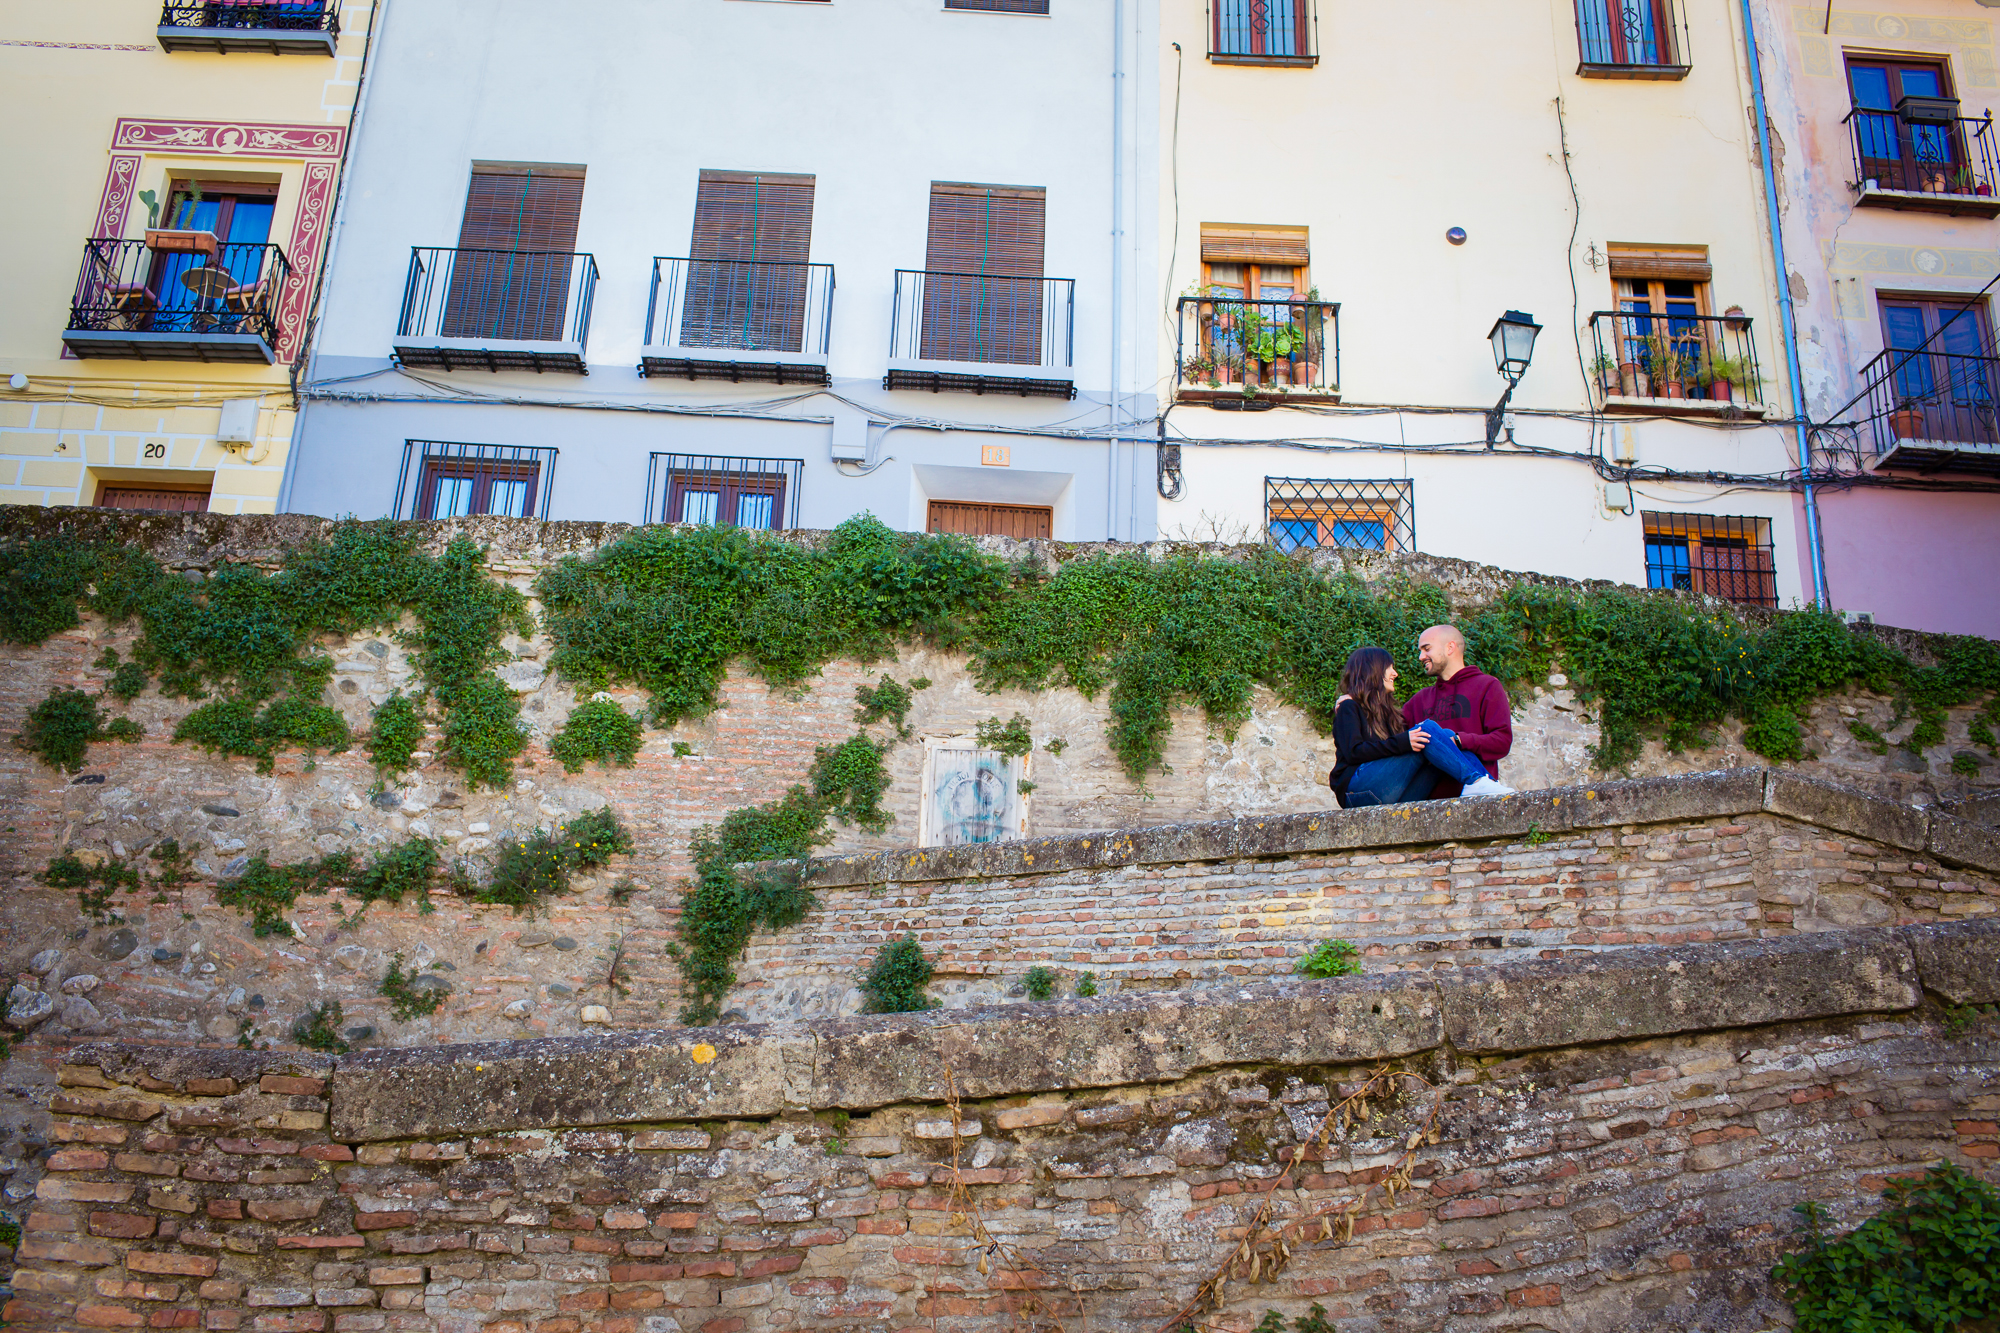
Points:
(69, 74)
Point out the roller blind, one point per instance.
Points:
(983, 279)
(747, 281)
(510, 278)
(1231, 243)
(1684, 263)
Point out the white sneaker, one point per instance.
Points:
(1486, 787)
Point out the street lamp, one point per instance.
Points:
(1513, 340)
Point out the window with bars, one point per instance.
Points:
(1715, 555)
(1631, 39)
(707, 488)
(1261, 32)
(1303, 514)
(442, 479)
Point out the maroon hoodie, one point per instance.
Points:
(1474, 706)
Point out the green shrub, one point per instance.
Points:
(889, 701)
(1330, 958)
(1965, 765)
(483, 732)
(1010, 738)
(530, 871)
(895, 984)
(408, 868)
(1930, 1260)
(1086, 985)
(848, 780)
(267, 892)
(598, 732)
(594, 837)
(239, 727)
(318, 1029)
(61, 727)
(1040, 983)
(408, 1001)
(398, 734)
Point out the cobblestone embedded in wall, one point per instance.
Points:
(812, 1178)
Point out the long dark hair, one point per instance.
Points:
(1363, 682)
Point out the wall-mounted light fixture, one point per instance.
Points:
(1513, 339)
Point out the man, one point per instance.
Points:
(1467, 702)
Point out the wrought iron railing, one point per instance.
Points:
(985, 318)
(539, 296)
(740, 305)
(447, 479)
(1672, 356)
(1263, 32)
(186, 283)
(1631, 36)
(1943, 397)
(1228, 344)
(1912, 152)
(279, 15)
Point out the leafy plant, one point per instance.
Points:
(1313, 1321)
(406, 1000)
(95, 884)
(1965, 765)
(61, 727)
(1330, 958)
(318, 1029)
(1010, 738)
(407, 868)
(1040, 983)
(895, 984)
(594, 837)
(1930, 1260)
(1086, 985)
(1536, 837)
(888, 701)
(848, 780)
(267, 892)
(598, 732)
(1960, 1018)
(398, 733)
(533, 869)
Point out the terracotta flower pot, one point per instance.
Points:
(1721, 391)
(1907, 423)
(182, 242)
(1632, 380)
(1676, 389)
(1305, 374)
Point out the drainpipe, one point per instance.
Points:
(1117, 262)
(1816, 555)
(378, 22)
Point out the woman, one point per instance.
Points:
(1376, 762)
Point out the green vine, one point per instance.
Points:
(61, 727)
(1010, 738)
(1930, 1260)
(408, 868)
(398, 733)
(598, 732)
(267, 892)
(895, 984)
(889, 701)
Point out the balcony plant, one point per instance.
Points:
(1727, 374)
(1907, 421)
(1607, 374)
(177, 237)
(1669, 360)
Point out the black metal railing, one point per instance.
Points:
(270, 15)
(1263, 32)
(1630, 36)
(185, 283)
(1915, 151)
(740, 305)
(446, 479)
(499, 295)
(1228, 344)
(1674, 356)
(1716, 555)
(985, 318)
(1941, 397)
(708, 488)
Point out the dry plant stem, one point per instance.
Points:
(1265, 1251)
(963, 1211)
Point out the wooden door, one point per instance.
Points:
(153, 497)
(975, 519)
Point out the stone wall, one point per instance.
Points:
(1606, 1143)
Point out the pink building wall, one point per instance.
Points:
(1923, 560)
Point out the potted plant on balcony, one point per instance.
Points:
(1634, 381)
(1606, 371)
(177, 237)
(1198, 371)
(1669, 365)
(1735, 320)
(1907, 421)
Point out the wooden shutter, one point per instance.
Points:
(747, 276)
(137, 497)
(983, 274)
(971, 519)
(510, 279)
(1675, 263)
(1234, 243)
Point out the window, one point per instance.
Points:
(1630, 39)
(1671, 281)
(1259, 317)
(747, 492)
(185, 290)
(1304, 514)
(511, 275)
(1261, 32)
(970, 794)
(1902, 155)
(1953, 386)
(747, 276)
(973, 519)
(1001, 6)
(982, 293)
(1730, 558)
(447, 480)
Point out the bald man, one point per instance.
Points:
(1465, 701)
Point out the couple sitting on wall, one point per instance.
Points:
(1448, 740)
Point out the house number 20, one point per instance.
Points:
(156, 451)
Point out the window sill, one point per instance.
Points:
(1921, 201)
(1589, 70)
(1281, 62)
(1620, 404)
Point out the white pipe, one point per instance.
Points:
(1117, 260)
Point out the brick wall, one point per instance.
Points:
(1613, 1142)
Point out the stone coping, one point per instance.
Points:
(1682, 797)
(1076, 1046)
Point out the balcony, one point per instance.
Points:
(980, 333)
(1631, 39)
(1924, 157)
(177, 296)
(1676, 364)
(1934, 411)
(738, 320)
(497, 310)
(1252, 355)
(1263, 32)
(273, 27)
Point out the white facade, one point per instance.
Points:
(875, 100)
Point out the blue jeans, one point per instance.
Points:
(1410, 777)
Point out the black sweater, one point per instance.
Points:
(1353, 746)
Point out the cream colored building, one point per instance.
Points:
(144, 363)
(1573, 159)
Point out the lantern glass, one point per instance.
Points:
(1513, 340)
